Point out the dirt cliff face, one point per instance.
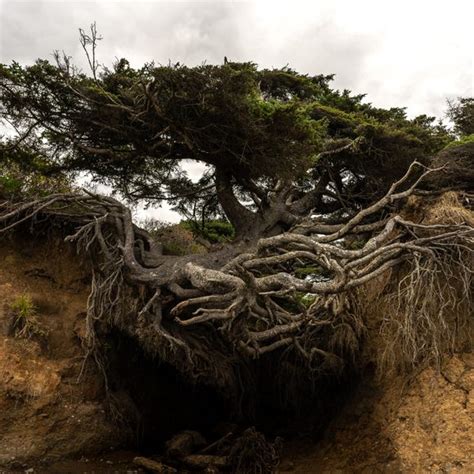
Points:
(50, 412)
(422, 425)
(47, 411)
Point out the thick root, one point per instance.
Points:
(288, 294)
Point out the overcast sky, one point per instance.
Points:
(411, 53)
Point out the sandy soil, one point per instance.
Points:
(425, 425)
(46, 412)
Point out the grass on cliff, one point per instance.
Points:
(25, 323)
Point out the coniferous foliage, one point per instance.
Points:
(461, 112)
(276, 144)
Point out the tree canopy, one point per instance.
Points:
(276, 144)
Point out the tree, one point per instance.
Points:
(461, 113)
(311, 179)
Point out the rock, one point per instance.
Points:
(184, 443)
(466, 382)
(153, 466)
(453, 370)
(468, 359)
(202, 461)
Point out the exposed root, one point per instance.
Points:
(430, 312)
(208, 316)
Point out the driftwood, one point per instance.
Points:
(184, 443)
(153, 466)
(202, 461)
(216, 445)
(242, 452)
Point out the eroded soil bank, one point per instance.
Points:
(425, 424)
(54, 416)
(45, 413)
(54, 405)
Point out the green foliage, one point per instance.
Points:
(461, 112)
(306, 299)
(385, 143)
(214, 231)
(175, 239)
(456, 164)
(339, 123)
(25, 321)
(20, 178)
(134, 129)
(309, 270)
(212, 114)
(9, 185)
(174, 248)
(464, 140)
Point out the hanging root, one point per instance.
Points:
(422, 310)
(429, 313)
(288, 294)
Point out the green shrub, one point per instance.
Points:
(10, 185)
(214, 231)
(464, 140)
(176, 239)
(16, 182)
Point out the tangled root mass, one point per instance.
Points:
(289, 297)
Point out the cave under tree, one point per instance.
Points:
(311, 179)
